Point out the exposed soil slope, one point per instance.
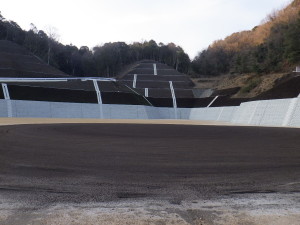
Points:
(270, 86)
(16, 61)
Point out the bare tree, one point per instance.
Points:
(33, 28)
(53, 36)
(1, 17)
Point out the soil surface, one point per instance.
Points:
(148, 174)
(252, 86)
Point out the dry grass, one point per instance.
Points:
(251, 84)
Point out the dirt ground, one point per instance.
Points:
(126, 173)
(16, 121)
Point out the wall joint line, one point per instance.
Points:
(290, 112)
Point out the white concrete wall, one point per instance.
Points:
(280, 112)
(77, 110)
(213, 113)
(227, 113)
(93, 111)
(256, 112)
(31, 109)
(275, 112)
(295, 115)
(3, 108)
(82, 110)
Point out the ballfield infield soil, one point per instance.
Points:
(126, 173)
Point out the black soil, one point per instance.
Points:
(48, 164)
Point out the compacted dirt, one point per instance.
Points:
(187, 170)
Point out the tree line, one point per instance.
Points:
(106, 60)
(274, 46)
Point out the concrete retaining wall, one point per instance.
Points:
(81, 110)
(84, 110)
(280, 112)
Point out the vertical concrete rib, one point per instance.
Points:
(290, 112)
(134, 81)
(253, 112)
(99, 98)
(155, 69)
(174, 98)
(7, 98)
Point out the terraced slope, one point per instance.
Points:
(16, 61)
(75, 91)
(155, 77)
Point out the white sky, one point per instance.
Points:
(191, 24)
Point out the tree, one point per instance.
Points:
(106, 60)
(52, 38)
(1, 17)
(292, 42)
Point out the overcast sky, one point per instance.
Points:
(191, 24)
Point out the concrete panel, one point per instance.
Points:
(106, 111)
(275, 112)
(31, 109)
(149, 112)
(3, 108)
(166, 113)
(142, 112)
(256, 117)
(157, 113)
(295, 117)
(265, 113)
(227, 113)
(123, 111)
(197, 114)
(11, 108)
(184, 113)
(66, 110)
(236, 115)
(244, 113)
(213, 113)
(90, 111)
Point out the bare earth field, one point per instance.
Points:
(135, 172)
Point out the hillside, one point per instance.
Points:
(153, 77)
(251, 62)
(107, 60)
(16, 61)
(253, 86)
(273, 46)
(255, 64)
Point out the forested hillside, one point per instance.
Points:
(273, 46)
(106, 60)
